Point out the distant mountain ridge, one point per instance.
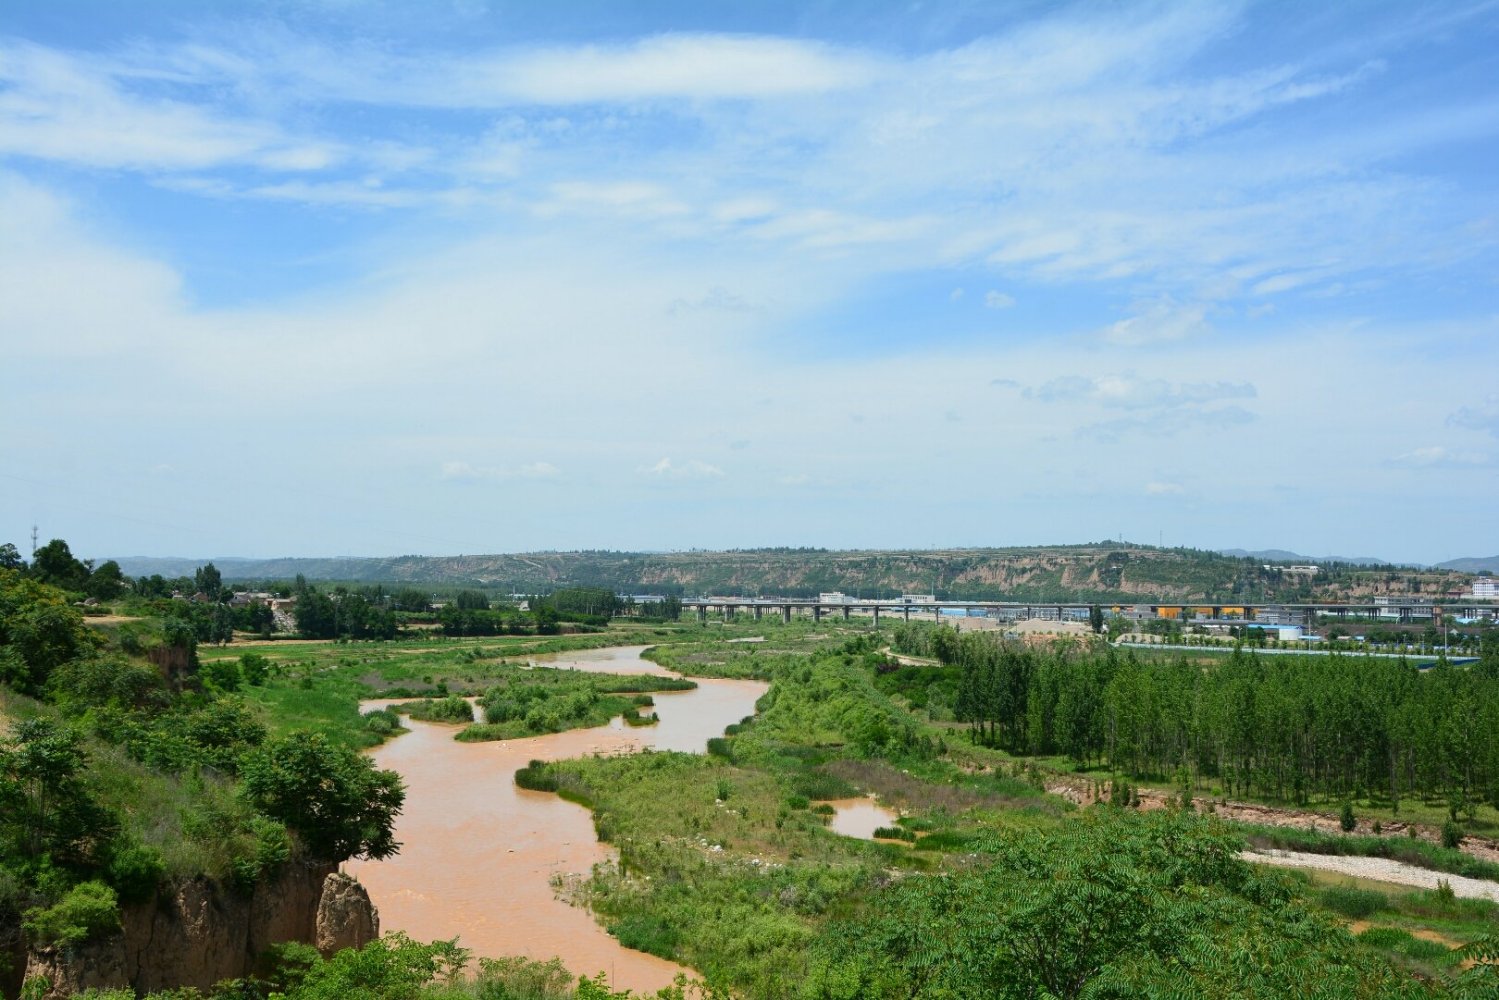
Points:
(1104, 572)
(1472, 564)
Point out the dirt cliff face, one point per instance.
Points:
(200, 931)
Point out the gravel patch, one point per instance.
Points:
(1381, 869)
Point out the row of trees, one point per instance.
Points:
(1282, 727)
(54, 564)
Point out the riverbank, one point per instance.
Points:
(483, 860)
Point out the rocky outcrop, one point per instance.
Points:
(199, 932)
(345, 916)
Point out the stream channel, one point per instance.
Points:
(478, 854)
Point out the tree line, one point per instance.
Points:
(1286, 728)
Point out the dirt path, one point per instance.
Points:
(1080, 791)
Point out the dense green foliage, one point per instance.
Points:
(335, 798)
(1113, 906)
(1281, 727)
(123, 761)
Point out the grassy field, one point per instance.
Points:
(1417, 929)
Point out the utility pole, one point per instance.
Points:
(33, 540)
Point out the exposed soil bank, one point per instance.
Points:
(478, 854)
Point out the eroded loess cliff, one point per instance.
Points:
(199, 932)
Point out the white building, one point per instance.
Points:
(836, 597)
(1485, 588)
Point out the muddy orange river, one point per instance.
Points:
(478, 854)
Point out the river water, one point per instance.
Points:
(478, 854)
(860, 817)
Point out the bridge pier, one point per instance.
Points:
(817, 614)
(759, 612)
(847, 612)
(907, 612)
(876, 616)
(728, 612)
(786, 614)
(702, 613)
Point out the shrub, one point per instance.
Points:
(89, 910)
(647, 933)
(894, 833)
(821, 785)
(1388, 938)
(536, 777)
(720, 747)
(1356, 904)
(254, 667)
(134, 869)
(382, 721)
(1346, 819)
(1452, 835)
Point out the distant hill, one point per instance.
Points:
(1281, 555)
(1472, 564)
(1107, 572)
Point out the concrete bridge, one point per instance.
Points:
(1285, 614)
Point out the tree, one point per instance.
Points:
(1095, 619)
(472, 600)
(316, 615)
(207, 580)
(54, 564)
(10, 558)
(38, 632)
(330, 795)
(45, 810)
(106, 582)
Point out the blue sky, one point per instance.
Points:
(326, 278)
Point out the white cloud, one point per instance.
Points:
(685, 66)
(1157, 321)
(998, 300)
(465, 472)
(1160, 489)
(1441, 457)
(693, 469)
(54, 106)
(1130, 392)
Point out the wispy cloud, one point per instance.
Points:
(1441, 457)
(694, 469)
(1158, 321)
(1482, 417)
(1130, 392)
(465, 472)
(56, 106)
